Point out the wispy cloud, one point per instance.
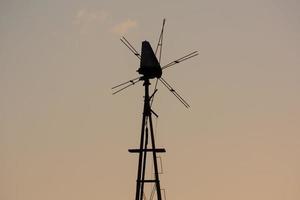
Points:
(124, 27)
(85, 16)
(89, 19)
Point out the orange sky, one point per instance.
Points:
(64, 136)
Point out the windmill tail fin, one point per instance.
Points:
(149, 65)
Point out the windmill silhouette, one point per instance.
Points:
(150, 68)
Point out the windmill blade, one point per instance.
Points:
(130, 47)
(159, 47)
(188, 56)
(165, 83)
(130, 81)
(127, 83)
(160, 41)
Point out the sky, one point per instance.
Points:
(63, 135)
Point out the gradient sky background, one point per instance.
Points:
(63, 136)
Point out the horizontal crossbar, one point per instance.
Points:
(146, 181)
(159, 150)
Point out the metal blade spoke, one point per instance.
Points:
(188, 56)
(130, 84)
(130, 81)
(130, 47)
(170, 88)
(160, 41)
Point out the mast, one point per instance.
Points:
(143, 150)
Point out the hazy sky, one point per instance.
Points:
(63, 136)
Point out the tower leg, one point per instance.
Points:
(144, 165)
(138, 196)
(154, 159)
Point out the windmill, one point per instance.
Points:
(150, 68)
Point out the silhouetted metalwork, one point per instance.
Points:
(130, 47)
(160, 41)
(150, 68)
(188, 56)
(174, 92)
(143, 150)
(127, 84)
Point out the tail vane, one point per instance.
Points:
(149, 65)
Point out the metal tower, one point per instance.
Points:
(150, 68)
(144, 148)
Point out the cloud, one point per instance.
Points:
(89, 20)
(124, 27)
(85, 16)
